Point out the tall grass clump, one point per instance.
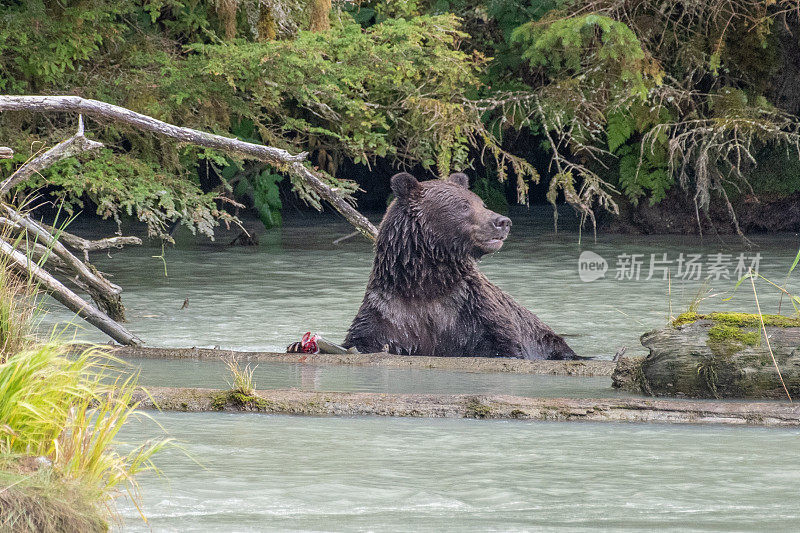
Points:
(17, 313)
(241, 378)
(60, 414)
(65, 413)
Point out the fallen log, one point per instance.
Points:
(25, 265)
(719, 355)
(105, 294)
(465, 364)
(310, 403)
(44, 256)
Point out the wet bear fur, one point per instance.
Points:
(426, 296)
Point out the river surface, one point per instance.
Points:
(215, 374)
(297, 280)
(280, 473)
(276, 473)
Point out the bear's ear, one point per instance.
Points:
(459, 178)
(403, 184)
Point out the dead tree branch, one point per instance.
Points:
(105, 294)
(86, 245)
(74, 145)
(66, 297)
(282, 159)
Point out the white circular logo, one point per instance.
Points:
(591, 266)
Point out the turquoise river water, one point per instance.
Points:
(239, 472)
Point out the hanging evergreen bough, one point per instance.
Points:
(44, 241)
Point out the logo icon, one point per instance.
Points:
(591, 266)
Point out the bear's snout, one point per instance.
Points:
(502, 223)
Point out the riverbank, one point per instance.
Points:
(311, 403)
(34, 498)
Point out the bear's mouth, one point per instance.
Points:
(493, 245)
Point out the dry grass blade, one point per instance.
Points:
(766, 337)
(243, 382)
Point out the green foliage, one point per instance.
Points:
(393, 90)
(684, 99)
(260, 189)
(776, 173)
(42, 42)
(643, 166)
(619, 129)
(355, 93)
(626, 96)
(122, 185)
(587, 44)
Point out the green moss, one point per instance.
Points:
(751, 320)
(722, 332)
(685, 318)
(248, 400)
(239, 400)
(476, 409)
(739, 320)
(220, 401)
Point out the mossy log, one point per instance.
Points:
(498, 407)
(719, 355)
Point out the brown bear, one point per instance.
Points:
(425, 294)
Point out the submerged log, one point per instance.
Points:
(719, 355)
(466, 364)
(296, 402)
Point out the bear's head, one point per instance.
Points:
(453, 220)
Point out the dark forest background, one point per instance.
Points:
(643, 115)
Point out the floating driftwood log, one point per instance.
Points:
(296, 402)
(466, 364)
(719, 355)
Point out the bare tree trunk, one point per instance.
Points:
(281, 159)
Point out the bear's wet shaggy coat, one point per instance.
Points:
(425, 294)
